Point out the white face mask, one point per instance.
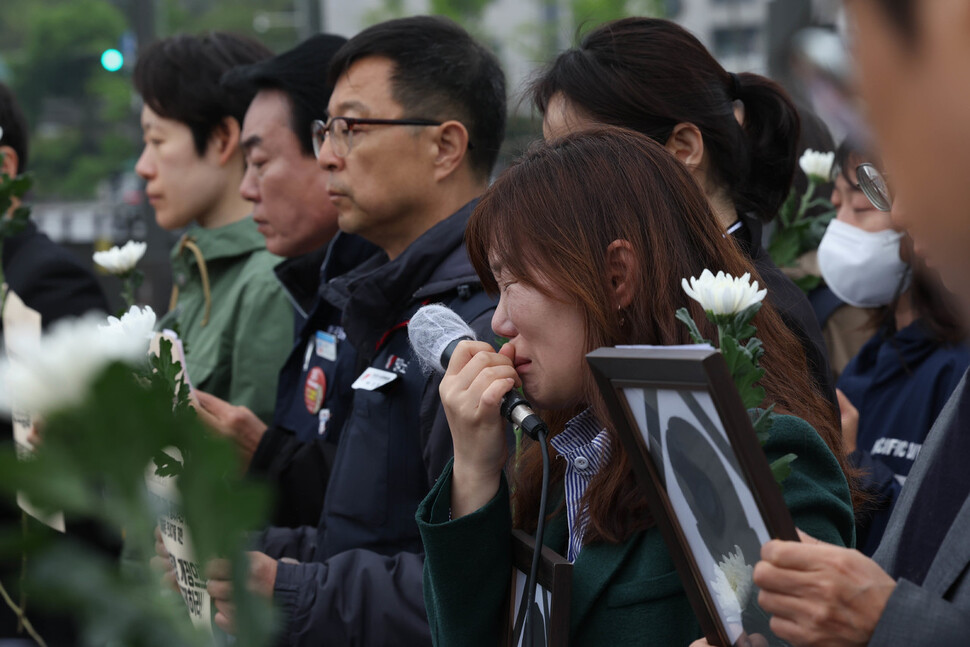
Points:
(861, 267)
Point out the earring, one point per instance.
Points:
(622, 314)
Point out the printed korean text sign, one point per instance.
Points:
(189, 573)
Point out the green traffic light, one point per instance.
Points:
(112, 60)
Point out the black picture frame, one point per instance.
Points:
(712, 487)
(554, 580)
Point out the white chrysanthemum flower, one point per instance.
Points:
(816, 165)
(120, 260)
(723, 294)
(732, 584)
(136, 327)
(56, 371)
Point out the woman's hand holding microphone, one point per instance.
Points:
(471, 392)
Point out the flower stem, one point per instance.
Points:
(21, 617)
(806, 200)
(19, 611)
(128, 289)
(4, 288)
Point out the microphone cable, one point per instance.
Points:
(526, 617)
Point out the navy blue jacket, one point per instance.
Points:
(295, 454)
(899, 383)
(360, 577)
(299, 404)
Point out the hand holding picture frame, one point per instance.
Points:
(705, 477)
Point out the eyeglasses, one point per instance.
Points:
(874, 185)
(341, 131)
(837, 170)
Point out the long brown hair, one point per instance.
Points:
(549, 220)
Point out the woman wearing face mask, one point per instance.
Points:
(561, 238)
(894, 389)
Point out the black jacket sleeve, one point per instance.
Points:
(356, 598)
(49, 278)
(298, 473)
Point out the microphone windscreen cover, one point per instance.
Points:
(431, 329)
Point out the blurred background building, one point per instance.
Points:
(69, 61)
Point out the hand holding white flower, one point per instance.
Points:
(121, 260)
(817, 165)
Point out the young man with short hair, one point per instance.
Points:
(229, 309)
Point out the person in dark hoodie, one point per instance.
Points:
(892, 391)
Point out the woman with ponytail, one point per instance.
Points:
(737, 133)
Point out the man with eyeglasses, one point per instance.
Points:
(417, 116)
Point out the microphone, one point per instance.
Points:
(435, 331)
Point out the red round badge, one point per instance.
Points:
(314, 390)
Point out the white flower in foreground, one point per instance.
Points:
(135, 328)
(120, 260)
(56, 371)
(816, 165)
(732, 584)
(723, 294)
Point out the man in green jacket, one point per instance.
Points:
(236, 322)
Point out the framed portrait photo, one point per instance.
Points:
(550, 608)
(706, 479)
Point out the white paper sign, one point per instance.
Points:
(189, 573)
(178, 354)
(21, 325)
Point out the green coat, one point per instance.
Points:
(627, 594)
(237, 354)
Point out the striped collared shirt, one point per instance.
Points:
(585, 446)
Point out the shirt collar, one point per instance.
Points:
(582, 431)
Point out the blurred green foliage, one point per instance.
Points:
(593, 13)
(799, 228)
(83, 118)
(198, 16)
(461, 11)
(59, 81)
(92, 466)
